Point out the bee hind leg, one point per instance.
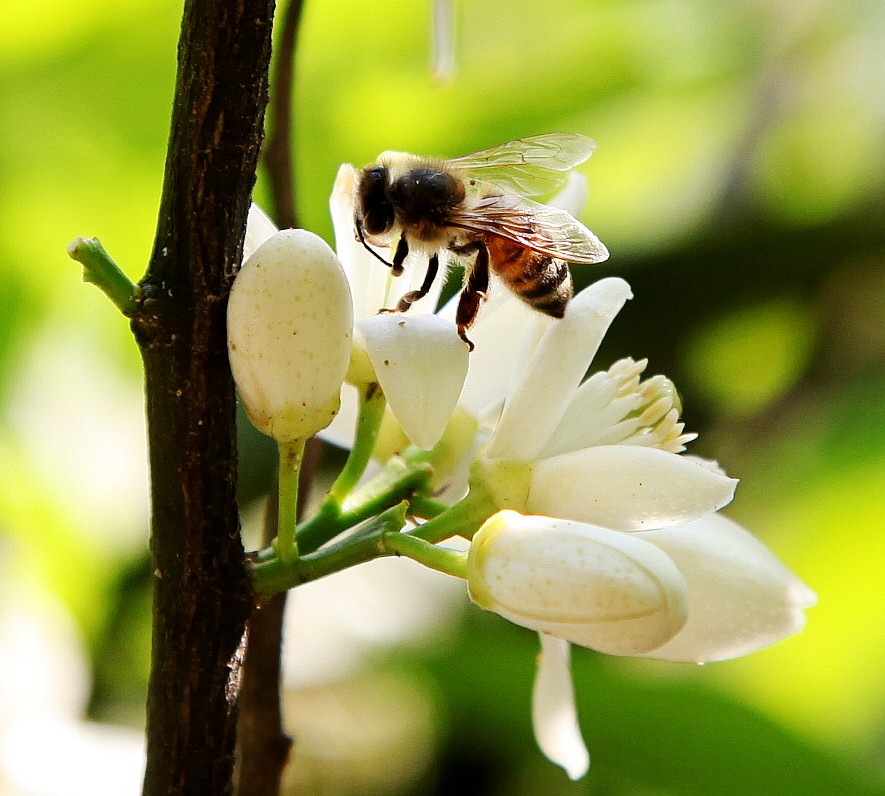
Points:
(476, 285)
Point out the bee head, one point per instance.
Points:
(374, 210)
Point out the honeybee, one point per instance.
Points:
(475, 206)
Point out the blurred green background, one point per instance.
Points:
(739, 184)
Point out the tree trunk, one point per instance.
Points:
(202, 594)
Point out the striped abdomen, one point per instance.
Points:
(542, 282)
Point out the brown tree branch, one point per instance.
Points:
(278, 152)
(262, 744)
(202, 594)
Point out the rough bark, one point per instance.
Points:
(202, 594)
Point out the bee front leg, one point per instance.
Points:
(399, 256)
(475, 288)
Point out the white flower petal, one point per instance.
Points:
(708, 464)
(259, 228)
(554, 716)
(505, 334)
(573, 195)
(741, 597)
(626, 488)
(554, 373)
(421, 364)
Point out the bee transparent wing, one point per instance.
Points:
(541, 228)
(550, 151)
(527, 166)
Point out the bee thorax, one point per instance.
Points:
(424, 198)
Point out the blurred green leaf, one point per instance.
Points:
(745, 361)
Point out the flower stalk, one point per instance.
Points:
(462, 519)
(396, 482)
(449, 562)
(291, 455)
(270, 574)
(371, 412)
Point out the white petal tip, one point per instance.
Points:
(344, 180)
(259, 229)
(578, 764)
(801, 596)
(554, 716)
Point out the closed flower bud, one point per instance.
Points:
(290, 320)
(591, 586)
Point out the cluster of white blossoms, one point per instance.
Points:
(592, 526)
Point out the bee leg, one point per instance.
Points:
(399, 256)
(475, 288)
(415, 295)
(362, 239)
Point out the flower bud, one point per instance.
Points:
(601, 589)
(289, 325)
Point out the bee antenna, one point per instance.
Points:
(369, 249)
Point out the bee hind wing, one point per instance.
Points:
(528, 166)
(541, 228)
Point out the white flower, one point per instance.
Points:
(289, 326)
(603, 452)
(703, 591)
(575, 447)
(602, 460)
(608, 536)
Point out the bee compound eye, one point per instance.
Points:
(375, 207)
(378, 219)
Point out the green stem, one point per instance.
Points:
(450, 562)
(396, 476)
(371, 412)
(286, 543)
(270, 574)
(394, 483)
(427, 507)
(462, 519)
(104, 273)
